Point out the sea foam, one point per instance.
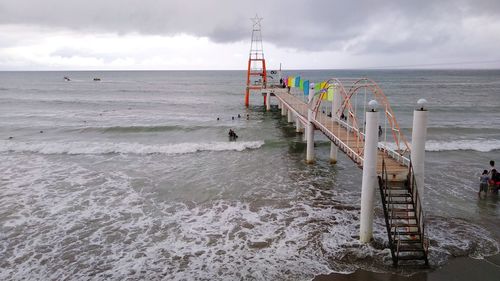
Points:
(482, 145)
(82, 147)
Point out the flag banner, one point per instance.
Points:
(317, 88)
(297, 81)
(306, 87)
(301, 84)
(330, 93)
(290, 81)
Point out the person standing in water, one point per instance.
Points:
(492, 167)
(483, 183)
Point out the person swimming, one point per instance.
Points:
(232, 135)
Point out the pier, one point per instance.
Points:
(385, 163)
(347, 112)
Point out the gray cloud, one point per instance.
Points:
(366, 26)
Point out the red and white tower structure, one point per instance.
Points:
(256, 74)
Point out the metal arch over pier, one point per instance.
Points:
(347, 135)
(384, 165)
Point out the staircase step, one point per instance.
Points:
(408, 241)
(400, 202)
(400, 224)
(396, 188)
(396, 195)
(412, 257)
(401, 210)
(399, 217)
(411, 248)
(406, 233)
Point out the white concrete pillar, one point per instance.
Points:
(283, 110)
(418, 138)
(310, 129)
(290, 116)
(268, 103)
(369, 183)
(337, 101)
(279, 104)
(298, 125)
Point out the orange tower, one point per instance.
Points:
(256, 74)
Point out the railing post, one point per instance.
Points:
(310, 128)
(369, 182)
(337, 101)
(418, 138)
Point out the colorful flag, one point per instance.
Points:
(317, 87)
(301, 84)
(306, 87)
(290, 81)
(297, 81)
(330, 93)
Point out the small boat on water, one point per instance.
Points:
(97, 79)
(66, 78)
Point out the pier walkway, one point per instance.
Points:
(384, 163)
(345, 137)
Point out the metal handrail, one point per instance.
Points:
(394, 154)
(418, 207)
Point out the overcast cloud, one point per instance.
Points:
(305, 34)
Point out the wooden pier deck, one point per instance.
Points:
(346, 140)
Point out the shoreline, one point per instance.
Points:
(459, 269)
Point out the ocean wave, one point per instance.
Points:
(482, 145)
(125, 148)
(143, 129)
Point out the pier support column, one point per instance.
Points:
(418, 138)
(283, 110)
(369, 183)
(290, 116)
(268, 104)
(279, 104)
(334, 150)
(310, 129)
(298, 125)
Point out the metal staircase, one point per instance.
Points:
(404, 219)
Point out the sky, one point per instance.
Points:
(208, 34)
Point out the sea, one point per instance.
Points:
(133, 177)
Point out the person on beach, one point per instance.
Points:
(495, 180)
(492, 167)
(483, 182)
(380, 131)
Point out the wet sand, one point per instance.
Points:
(458, 269)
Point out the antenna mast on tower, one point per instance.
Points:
(256, 74)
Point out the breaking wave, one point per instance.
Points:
(482, 145)
(131, 148)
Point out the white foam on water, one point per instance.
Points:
(81, 147)
(482, 145)
(60, 220)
